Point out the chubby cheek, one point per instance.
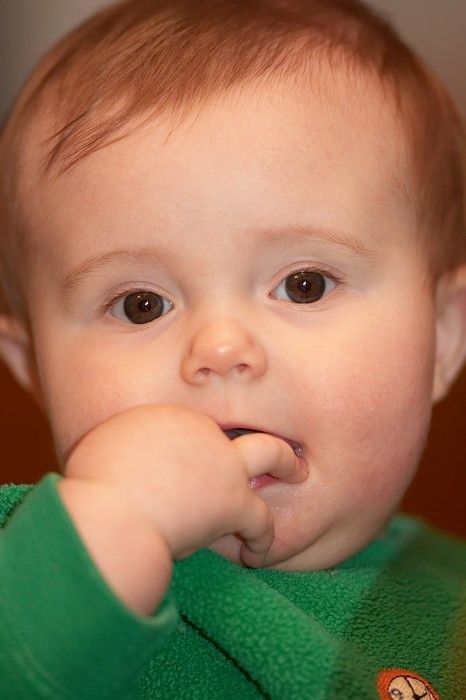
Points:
(86, 384)
(371, 409)
(81, 401)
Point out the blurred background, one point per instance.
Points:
(437, 30)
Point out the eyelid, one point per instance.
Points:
(134, 289)
(338, 278)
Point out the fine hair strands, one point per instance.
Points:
(137, 60)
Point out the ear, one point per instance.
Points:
(17, 352)
(450, 331)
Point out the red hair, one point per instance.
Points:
(139, 59)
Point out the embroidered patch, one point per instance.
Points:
(401, 684)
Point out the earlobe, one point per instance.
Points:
(17, 354)
(450, 332)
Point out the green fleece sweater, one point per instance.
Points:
(389, 623)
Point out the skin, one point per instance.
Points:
(351, 376)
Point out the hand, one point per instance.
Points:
(177, 467)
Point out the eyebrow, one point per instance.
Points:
(288, 233)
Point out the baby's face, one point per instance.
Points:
(272, 248)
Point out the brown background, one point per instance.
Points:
(438, 492)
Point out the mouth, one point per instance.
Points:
(233, 433)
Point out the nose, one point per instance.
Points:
(224, 349)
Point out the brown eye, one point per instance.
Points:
(304, 286)
(140, 307)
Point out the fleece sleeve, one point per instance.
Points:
(63, 633)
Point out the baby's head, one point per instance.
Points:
(253, 209)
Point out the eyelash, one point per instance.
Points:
(338, 280)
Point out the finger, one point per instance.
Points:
(257, 528)
(266, 454)
(252, 559)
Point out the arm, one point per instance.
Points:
(58, 615)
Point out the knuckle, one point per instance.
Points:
(183, 415)
(167, 412)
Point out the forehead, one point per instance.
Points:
(259, 152)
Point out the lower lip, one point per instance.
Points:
(259, 482)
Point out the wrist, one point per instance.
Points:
(127, 549)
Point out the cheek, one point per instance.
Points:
(368, 404)
(86, 385)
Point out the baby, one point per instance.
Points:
(234, 278)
